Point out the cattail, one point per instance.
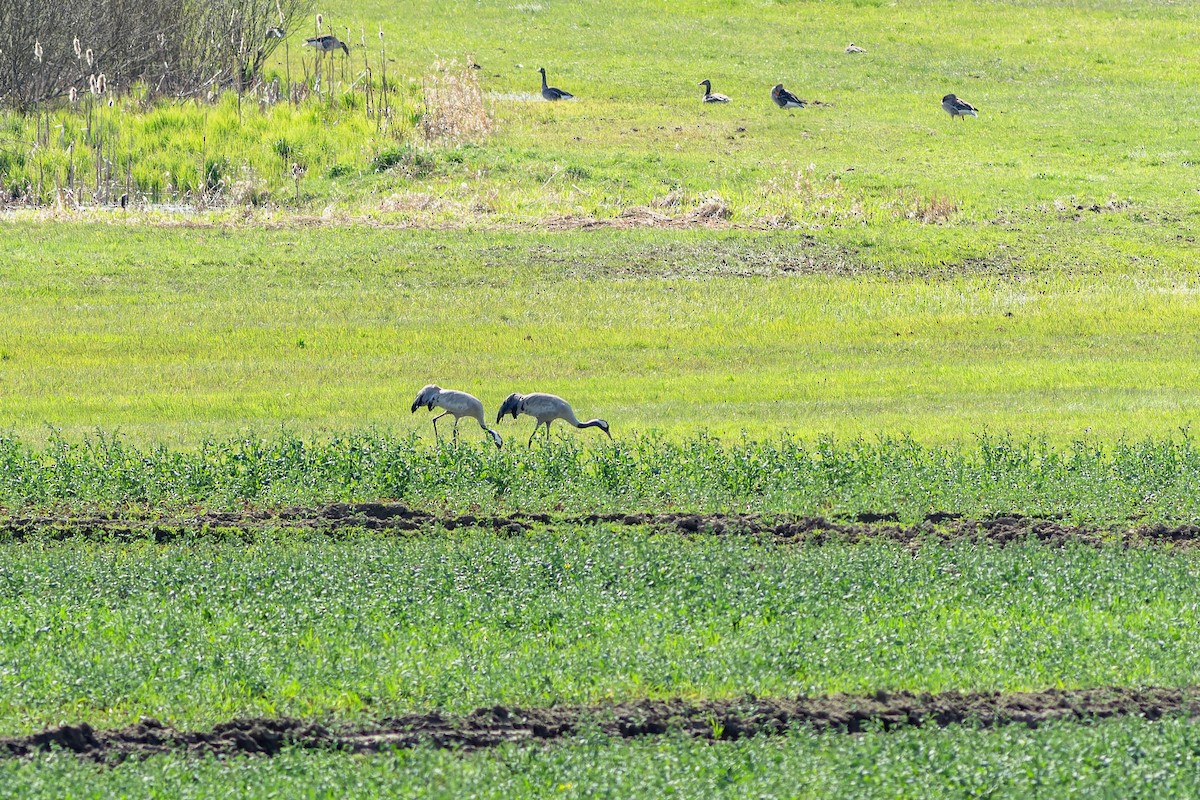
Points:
(37, 50)
(74, 96)
(78, 50)
(101, 84)
(88, 54)
(110, 102)
(279, 8)
(320, 21)
(92, 84)
(381, 33)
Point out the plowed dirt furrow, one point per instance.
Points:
(717, 719)
(396, 518)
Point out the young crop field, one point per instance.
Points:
(900, 498)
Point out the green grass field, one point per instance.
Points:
(367, 626)
(861, 306)
(175, 335)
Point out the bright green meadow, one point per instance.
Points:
(176, 335)
(364, 627)
(860, 306)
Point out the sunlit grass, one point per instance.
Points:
(364, 626)
(178, 335)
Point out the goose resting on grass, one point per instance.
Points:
(785, 99)
(958, 108)
(327, 43)
(551, 93)
(709, 96)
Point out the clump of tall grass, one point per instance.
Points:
(193, 152)
(1151, 480)
(453, 111)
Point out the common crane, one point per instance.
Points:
(546, 408)
(459, 404)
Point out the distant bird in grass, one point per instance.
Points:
(709, 95)
(958, 108)
(458, 404)
(853, 48)
(545, 408)
(785, 99)
(275, 33)
(327, 43)
(551, 93)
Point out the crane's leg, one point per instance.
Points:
(435, 419)
(536, 425)
(456, 431)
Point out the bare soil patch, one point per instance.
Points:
(714, 719)
(936, 528)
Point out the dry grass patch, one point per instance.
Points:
(454, 112)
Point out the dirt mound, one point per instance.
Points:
(938, 527)
(716, 719)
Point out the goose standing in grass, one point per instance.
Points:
(546, 408)
(551, 93)
(709, 96)
(958, 108)
(459, 404)
(327, 43)
(785, 99)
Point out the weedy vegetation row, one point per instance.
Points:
(1122, 483)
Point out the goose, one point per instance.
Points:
(459, 404)
(709, 97)
(545, 408)
(853, 48)
(549, 92)
(785, 99)
(327, 43)
(958, 108)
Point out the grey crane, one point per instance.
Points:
(785, 99)
(709, 95)
(958, 108)
(549, 92)
(327, 43)
(458, 404)
(545, 408)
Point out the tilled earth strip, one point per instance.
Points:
(944, 527)
(716, 719)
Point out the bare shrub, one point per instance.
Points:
(49, 47)
(711, 210)
(669, 200)
(933, 209)
(454, 112)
